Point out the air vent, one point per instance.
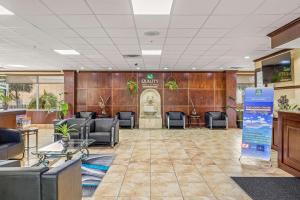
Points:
(235, 67)
(151, 33)
(131, 56)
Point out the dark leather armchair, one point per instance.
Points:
(11, 144)
(86, 115)
(10, 163)
(103, 130)
(175, 119)
(126, 119)
(79, 126)
(216, 120)
(41, 183)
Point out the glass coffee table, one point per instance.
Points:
(61, 149)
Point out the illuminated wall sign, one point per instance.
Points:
(149, 81)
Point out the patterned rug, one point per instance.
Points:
(93, 170)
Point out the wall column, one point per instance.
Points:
(70, 90)
(230, 95)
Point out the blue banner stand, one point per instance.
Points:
(258, 124)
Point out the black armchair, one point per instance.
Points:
(11, 143)
(41, 183)
(175, 119)
(126, 119)
(79, 126)
(103, 130)
(216, 120)
(86, 115)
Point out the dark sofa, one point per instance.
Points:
(216, 119)
(126, 119)
(86, 115)
(11, 144)
(103, 130)
(175, 119)
(41, 183)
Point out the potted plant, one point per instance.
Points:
(6, 99)
(283, 104)
(63, 107)
(172, 84)
(132, 86)
(64, 131)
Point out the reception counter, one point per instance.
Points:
(8, 118)
(289, 142)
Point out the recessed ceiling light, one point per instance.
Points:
(4, 11)
(138, 68)
(67, 52)
(110, 68)
(17, 66)
(152, 7)
(193, 68)
(151, 52)
(247, 57)
(221, 68)
(82, 68)
(165, 68)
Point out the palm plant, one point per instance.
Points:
(132, 86)
(172, 85)
(64, 131)
(6, 99)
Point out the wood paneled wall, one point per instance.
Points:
(206, 89)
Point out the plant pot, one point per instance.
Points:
(194, 112)
(65, 139)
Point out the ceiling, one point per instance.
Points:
(197, 35)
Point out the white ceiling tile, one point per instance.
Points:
(46, 21)
(68, 6)
(110, 6)
(194, 7)
(81, 21)
(151, 41)
(74, 40)
(99, 40)
(125, 41)
(204, 40)
(61, 32)
(260, 20)
(226, 21)
(162, 33)
(204, 32)
(149, 21)
(116, 21)
(28, 7)
(278, 7)
(121, 32)
(236, 7)
(187, 21)
(171, 41)
(91, 32)
(182, 32)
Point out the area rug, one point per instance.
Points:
(93, 169)
(270, 188)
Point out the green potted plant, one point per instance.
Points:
(64, 131)
(132, 86)
(5, 99)
(63, 107)
(172, 84)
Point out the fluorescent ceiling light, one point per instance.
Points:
(285, 62)
(110, 68)
(151, 52)
(17, 66)
(4, 11)
(138, 68)
(152, 7)
(166, 68)
(247, 57)
(67, 52)
(193, 68)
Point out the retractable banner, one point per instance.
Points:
(258, 123)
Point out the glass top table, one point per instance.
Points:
(63, 149)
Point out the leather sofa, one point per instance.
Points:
(175, 119)
(126, 119)
(11, 144)
(79, 126)
(41, 183)
(216, 119)
(103, 130)
(10, 163)
(86, 115)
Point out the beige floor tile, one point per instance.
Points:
(138, 167)
(189, 177)
(165, 189)
(135, 189)
(195, 189)
(163, 177)
(108, 189)
(162, 167)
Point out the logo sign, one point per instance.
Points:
(149, 81)
(258, 123)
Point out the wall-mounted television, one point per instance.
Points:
(277, 69)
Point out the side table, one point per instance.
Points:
(194, 120)
(26, 133)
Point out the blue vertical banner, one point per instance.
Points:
(258, 123)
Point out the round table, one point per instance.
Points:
(26, 133)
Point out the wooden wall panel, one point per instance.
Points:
(70, 80)
(230, 97)
(208, 90)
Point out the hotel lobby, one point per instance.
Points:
(149, 100)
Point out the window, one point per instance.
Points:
(34, 92)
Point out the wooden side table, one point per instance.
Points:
(194, 120)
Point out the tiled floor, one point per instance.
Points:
(190, 164)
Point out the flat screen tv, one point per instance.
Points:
(277, 69)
